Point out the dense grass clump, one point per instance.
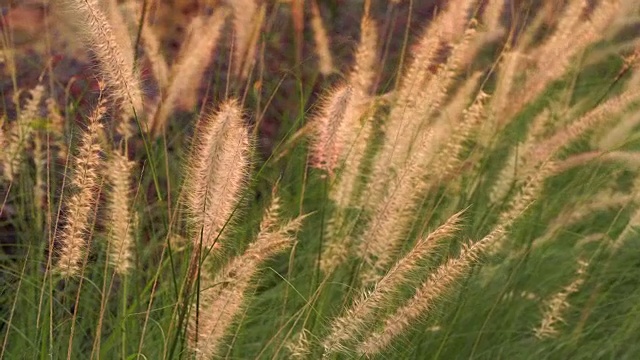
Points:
(462, 182)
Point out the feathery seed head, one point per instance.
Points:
(221, 303)
(347, 327)
(118, 73)
(73, 237)
(492, 14)
(423, 301)
(331, 129)
(247, 21)
(364, 72)
(217, 171)
(57, 127)
(325, 60)
(121, 219)
(186, 74)
(21, 133)
(558, 303)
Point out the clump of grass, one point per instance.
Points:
(486, 169)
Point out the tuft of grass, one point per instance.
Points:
(464, 187)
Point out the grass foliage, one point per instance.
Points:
(469, 190)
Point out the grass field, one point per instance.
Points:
(248, 179)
